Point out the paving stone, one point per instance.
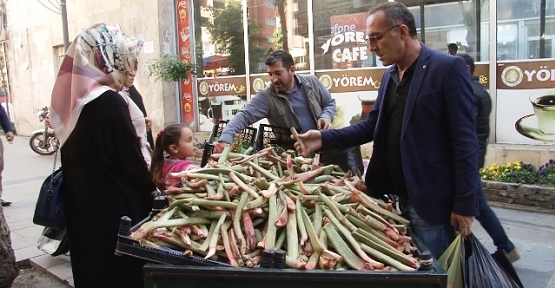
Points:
(61, 272)
(27, 253)
(533, 279)
(538, 258)
(46, 261)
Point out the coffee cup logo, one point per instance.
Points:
(258, 85)
(544, 109)
(203, 88)
(326, 81)
(512, 76)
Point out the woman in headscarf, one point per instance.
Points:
(138, 99)
(140, 122)
(105, 176)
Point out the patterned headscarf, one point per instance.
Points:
(96, 61)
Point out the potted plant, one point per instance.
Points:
(170, 68)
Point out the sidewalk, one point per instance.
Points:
(24, 172)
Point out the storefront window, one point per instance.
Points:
(278, 24)
(525, 29)
(440, 23)
(222, 38)
(220, 47)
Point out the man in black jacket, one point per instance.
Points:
(482, 103)
(487, 218)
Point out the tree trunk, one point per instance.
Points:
(280, 4)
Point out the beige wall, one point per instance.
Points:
(504, 153)
(34, 32)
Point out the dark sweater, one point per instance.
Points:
(5, 121)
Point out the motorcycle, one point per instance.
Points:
(43, 141)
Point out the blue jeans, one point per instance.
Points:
(436, 237)
(491, 224)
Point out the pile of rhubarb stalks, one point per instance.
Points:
(241, 204)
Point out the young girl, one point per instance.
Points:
(178, 142)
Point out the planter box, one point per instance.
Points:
(534, 196)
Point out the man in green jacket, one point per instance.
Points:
(299, 101)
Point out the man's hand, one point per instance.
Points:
(9, 137)
(218, 147)
(312, 141)
(463, 222)
(323, 124)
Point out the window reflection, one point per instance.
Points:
(221, 50)
(445, 22)
(283, 25)
(339, 32)
(522, 33)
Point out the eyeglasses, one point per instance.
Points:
(375, 38)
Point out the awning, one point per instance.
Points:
(214, 62)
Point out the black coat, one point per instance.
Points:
(482, 103)
(105, 178)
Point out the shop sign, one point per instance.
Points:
(184, 47)
(351, 80)
(526, 75)
(235, 85)
(347, 35)
(526, 102)
(337, 81)
(482, 72)
(259, 82)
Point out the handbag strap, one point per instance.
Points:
(53, 170)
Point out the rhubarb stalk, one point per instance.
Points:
(214, 238)
(237, 223)
(250, 235)
(272, 217)
(343, 249)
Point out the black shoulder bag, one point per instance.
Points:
(50, 213)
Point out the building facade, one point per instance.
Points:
(32, 50)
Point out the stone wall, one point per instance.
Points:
(527, 197)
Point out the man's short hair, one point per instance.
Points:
(280, 55)
(396, 14)
(469, 61)
(453, 46)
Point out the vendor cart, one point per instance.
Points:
(168, 276)
(170, 268)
